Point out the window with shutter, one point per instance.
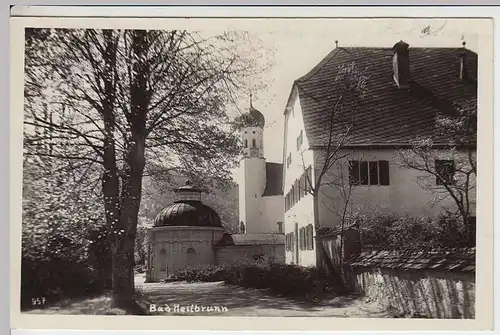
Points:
(373, 167)
(354, 172)
(309, 179)
(383, 167)
(311, 236)
(301, 238)
(363, 173)
(301, 186)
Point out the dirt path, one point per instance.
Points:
(194, 297)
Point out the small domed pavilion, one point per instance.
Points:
(183, 234)
(189, 233)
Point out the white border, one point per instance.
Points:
(483, 319)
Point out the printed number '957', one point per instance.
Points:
(38, 301)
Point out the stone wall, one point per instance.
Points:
(431, 284)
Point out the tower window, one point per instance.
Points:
(280, 227)
(253, 132)
(246, 143)
(254, 143)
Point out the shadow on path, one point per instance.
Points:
(250, 302)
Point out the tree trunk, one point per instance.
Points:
(133, 168)
(123, 272)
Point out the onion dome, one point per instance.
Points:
(253, 118)
(188, 210)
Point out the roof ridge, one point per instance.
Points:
(319, 66)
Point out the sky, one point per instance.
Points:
(300, 45)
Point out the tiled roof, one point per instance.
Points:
(463, 260)
(274, 176)
(387, 115)
(251, 239)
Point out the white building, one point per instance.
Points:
(261, 201)
(189, 233)
(406, 88)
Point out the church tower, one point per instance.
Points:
(253, 173)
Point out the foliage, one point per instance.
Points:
(141, 246)
(158, 193)
(134, 102)
(64, 247)
(284, 279)
(391, 232)
(459, 127)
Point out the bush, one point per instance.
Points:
(390, 232)
(62, 271)
(284, 279)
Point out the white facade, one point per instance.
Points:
(251, 204)
(297, 158)
(176, 248)
(409, 192)
(259, 214)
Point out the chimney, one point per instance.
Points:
(401, 64)
(463, 69)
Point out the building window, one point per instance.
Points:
(445, 171)
(369, 173)
(254, 143)
(288, 160)
(308, 179)
(246, 143)
(280, 227)
(302, 238)
(163, 260)
(299, 140)
(301, 186)
(310, 237)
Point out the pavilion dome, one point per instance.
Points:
(188, 210)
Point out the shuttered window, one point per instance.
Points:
(383, 172)
(369, 173)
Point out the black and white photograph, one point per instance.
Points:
(266, 168)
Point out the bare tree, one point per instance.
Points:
(126, 98)
(337, 112)
(449, 170)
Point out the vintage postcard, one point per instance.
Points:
(199, 173)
